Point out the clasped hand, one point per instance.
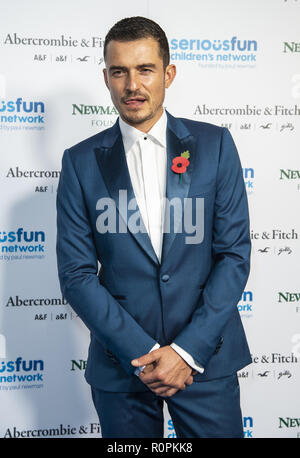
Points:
(165, 372)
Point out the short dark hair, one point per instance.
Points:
(135, 28)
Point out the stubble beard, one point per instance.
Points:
(135, 119)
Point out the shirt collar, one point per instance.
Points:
(157, 133)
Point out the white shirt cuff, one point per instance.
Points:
(140, 368)
(188, 358)
(184, 354)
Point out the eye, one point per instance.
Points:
(117, 73)
(146, 70)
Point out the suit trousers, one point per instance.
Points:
(205, 409)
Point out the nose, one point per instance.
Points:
(132, 82)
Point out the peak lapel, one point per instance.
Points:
(178, 140)
(113, 166)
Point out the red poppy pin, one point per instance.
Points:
(180, 163)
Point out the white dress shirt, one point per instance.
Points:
(146, 155)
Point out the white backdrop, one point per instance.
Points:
(237, 66)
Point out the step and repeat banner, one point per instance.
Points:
(238, 66)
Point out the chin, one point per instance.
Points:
(137, 118)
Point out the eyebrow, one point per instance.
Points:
(120, 67)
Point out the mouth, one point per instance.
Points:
(135, 102)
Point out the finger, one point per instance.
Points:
(148, 358)
(148, 368)
(150, 377)
(189, 381)
(168, 393)
(156, 385)
(164, 390)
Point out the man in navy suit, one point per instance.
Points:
(153, 253)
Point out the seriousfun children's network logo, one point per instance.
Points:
(248, 174)
(247, 427)
(245, 305)
(21, 114)
(213, 52)
(21, 374)
(20, 244)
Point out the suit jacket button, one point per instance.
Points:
(165, 277)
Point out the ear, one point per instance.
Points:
(105, 77)
(170, 74)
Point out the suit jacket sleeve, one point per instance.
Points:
(77, 264)
(231, 249)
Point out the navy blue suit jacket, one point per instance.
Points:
(133, 300)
